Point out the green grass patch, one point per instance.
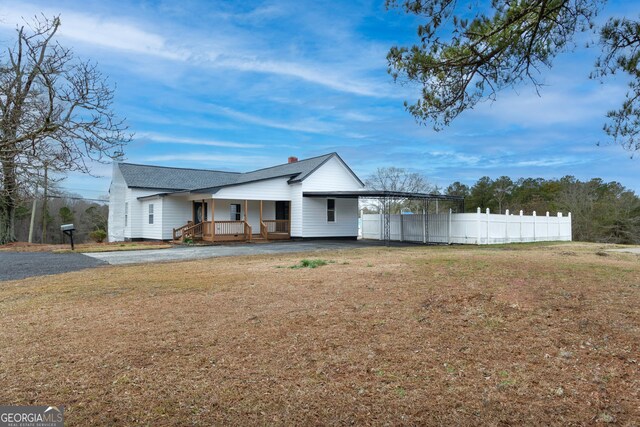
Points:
(310, 263)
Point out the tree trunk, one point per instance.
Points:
(8, 203)
(44, 207)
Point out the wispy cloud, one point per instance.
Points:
(549, 162)
(201, 159)
(169, 139)
(305, 125)
(94, 30)
(312, 74)
(556, 106)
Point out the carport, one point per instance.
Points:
(388, 201)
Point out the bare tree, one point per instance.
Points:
(398, 179)
(502, 188)
(55, 110)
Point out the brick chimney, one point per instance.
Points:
(293, 159)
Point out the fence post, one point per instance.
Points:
(521, 226)
(478, 226)
(401, 227)
(570, 228)
(548, 218)
(488, 224)
(559, 224)
(506, 226)
(381, 225)
(449, 228)
(424, 227)
(534, 226)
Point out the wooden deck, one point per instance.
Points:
(230, 231)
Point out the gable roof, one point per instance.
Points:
(202, 180)
(166, 178)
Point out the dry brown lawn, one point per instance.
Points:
(83, 247)
(519, 335)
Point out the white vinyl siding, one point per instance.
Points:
(176, 211)
(137, 214)
(152, 212)
(117, 195)
(315, 218)
(138, 218)
(332, 176)
(269, 189)
(296, 210)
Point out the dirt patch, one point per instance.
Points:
(415, 336)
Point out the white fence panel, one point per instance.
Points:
(480, 228)
(372, 227)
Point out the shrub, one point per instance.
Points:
(98, 235)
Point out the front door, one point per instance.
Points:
(199, 212)
(282, 210)
(282, 213)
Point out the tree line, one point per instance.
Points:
(89, 217)
(601, 211)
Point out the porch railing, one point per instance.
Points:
(179, 232)
(191, 231)
(264, 231)
(229, 228)
(247, 232)
(232, 230)
(277, 225)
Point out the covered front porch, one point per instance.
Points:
(225, 220)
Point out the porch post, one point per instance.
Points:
(204, 220)
(213, 220)
(261, 220)
(246, 215)
(289, 225)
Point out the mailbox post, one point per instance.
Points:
(68, 229)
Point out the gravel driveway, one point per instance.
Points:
(184, 253)
(20, 265)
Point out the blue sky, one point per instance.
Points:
(243, 85)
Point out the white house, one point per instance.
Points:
(164, 203)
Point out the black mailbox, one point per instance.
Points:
(68, 229)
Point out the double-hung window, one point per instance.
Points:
(151, 213)
(331, 210)
(236, 212)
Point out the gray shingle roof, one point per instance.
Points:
(164, 178)
(178, 179)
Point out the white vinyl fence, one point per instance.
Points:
(469, 228)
